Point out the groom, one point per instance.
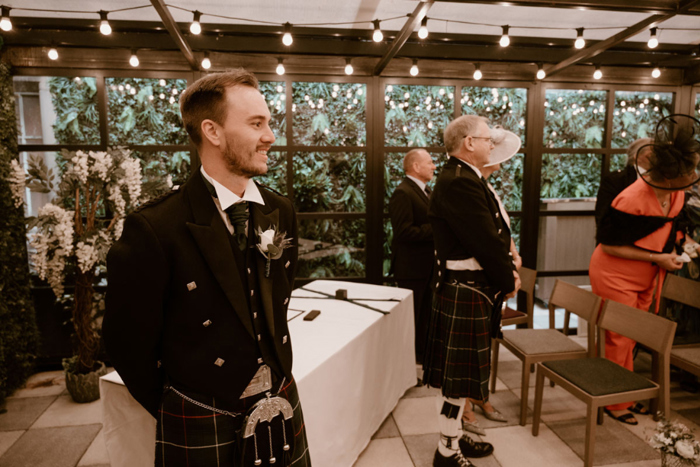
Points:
(195, 324)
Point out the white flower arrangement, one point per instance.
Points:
(675, 439)
(53, 243)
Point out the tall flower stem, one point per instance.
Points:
(87, 340)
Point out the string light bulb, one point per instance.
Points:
(580, 41)
(105, 28)
(287, 38)
(280, 67)
(206, 63)
(505, 39)
(656, 72)
(597, 74)
(134, 60)
(414, 68)
(53, 53)
(477, 72)
(423, 31)
(653, 40)
(5, 21)
(348, 67)
(540, 72)
(377, 36)
(195, 27)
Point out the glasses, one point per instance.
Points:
(490, 140)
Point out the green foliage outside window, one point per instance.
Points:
(506, 107)
(275, 96)
(416, 116)
(570, 175)
(337, 248)
(75, 105)
(636, 115)
(574, 119)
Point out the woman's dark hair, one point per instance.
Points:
(676, 150)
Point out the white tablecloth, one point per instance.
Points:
(351, 364)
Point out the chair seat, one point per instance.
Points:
(509, 313)
(691, 355)
(599, 376)
(541, 341)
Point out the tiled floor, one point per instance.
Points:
(43, 427)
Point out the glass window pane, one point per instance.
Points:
(331, 248)
(394, 173)
(329, 181)
(618, 162)
(173, 167)
(697, 105)
(570, 175)
(329, 114)
(417, 115)
(574, 118)
(508, 182)
(515, 223)
(145, 111)
(276, 176)
(386, 249)
(502, 106)
(275, 96)
(636, 115)
(57, 110)
(34, 199)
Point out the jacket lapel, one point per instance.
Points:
(421, 193)
(263, 218)
(212, 238)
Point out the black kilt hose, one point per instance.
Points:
(458, 352)
(191, 436)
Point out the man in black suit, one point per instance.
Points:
(472, 244)
(199, 283)
(612, 184)
(412, 247)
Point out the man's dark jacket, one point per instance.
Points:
(177, 306)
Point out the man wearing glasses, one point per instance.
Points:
(473, 271)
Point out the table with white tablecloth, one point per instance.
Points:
(352, 364)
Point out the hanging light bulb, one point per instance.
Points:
(206, 63)
(414, 68)
(477, 72)
(280, 67)
(580, 41)
(540, 72)
(423, 31)
(105, 28)
(53, 53)
(377, 36)
(195, 27)
(597, 74)
(5, 22)
(287, 38)
(348, 67)
(134, 60)
(656, 72)
(653, 41)
(505, 39)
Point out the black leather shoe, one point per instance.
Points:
(474, 449)
(457, 460)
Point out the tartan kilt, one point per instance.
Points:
(458, 352)
(191, 436)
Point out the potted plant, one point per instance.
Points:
(677, 444)
(71, 235)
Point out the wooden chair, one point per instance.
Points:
(599, 382)
(528, 279)
(539, 345)
(686, 291)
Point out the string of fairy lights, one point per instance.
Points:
(377, 35)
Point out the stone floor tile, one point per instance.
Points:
(65, 412)
(613, 443)
(649, 463)
(96, 453)
(690, 414)
(421, 448)
(388, 452)
(416, 416)
(8, 438)
(514, 446)
(510, 374)
(557, 404)
(22, 412)
(421, 391)
(388, 429)
(50, 447)
(48, 383)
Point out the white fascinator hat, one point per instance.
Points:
(506, 145)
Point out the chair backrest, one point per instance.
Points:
(528, 278)
(650, 330)
(682, 290)
(583, 303)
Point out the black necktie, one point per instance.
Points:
(238, 215)
(428, 191)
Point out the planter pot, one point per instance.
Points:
(83, 387)
(669, 460)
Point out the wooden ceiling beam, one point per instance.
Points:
(175, 33)
(408, 28)
(691, 75)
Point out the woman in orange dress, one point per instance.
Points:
(637, 239)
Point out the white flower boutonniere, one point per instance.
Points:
(271, 245)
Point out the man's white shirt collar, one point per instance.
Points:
(420, 183)
(228, 198)
(478, 172)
